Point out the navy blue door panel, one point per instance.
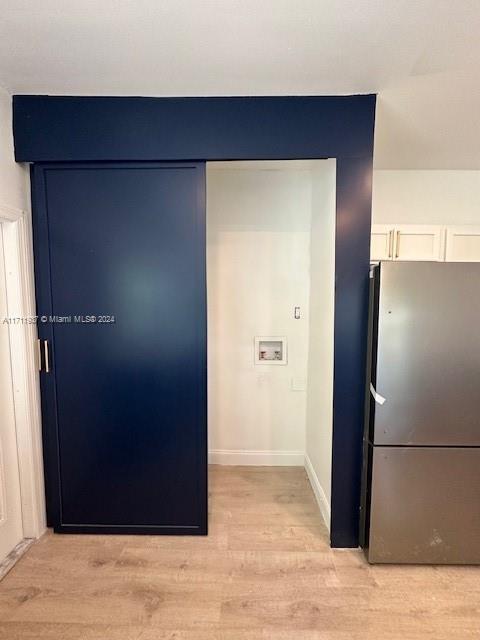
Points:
(120, 255)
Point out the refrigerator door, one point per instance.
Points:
(425, 505)
(427, 364)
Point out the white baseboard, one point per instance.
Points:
(238, 457)
(318, 491)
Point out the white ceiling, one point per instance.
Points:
(421, 56)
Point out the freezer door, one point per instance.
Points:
(427, 364)
(425, 505)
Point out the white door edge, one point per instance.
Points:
(17, 239)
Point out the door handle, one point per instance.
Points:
(47, 356)
(390, 237)
(39, 354)
(397, 244)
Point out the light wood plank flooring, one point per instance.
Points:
(264, 572)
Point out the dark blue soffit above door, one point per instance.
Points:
(51, 128)
(87, 129)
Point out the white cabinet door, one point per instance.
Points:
(419, 242)
(463, 244)
(11, 532)
(381, 244)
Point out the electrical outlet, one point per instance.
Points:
(299, 383)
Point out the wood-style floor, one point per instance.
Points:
(264, 572)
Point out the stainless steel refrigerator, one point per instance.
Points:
(421, 479)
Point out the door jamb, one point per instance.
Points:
(16, 229)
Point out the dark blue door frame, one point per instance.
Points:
(94, 129)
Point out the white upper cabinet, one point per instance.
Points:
(425, 242)
(381, 244)
(407, 242)
(419, 242)
(463, 244)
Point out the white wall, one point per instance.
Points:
(426, 197)
(258, 271)
(13, 194)
(18, 256)
(14, 181)
(318, 459)
(11, 530)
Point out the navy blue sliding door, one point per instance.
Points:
(120, 268)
